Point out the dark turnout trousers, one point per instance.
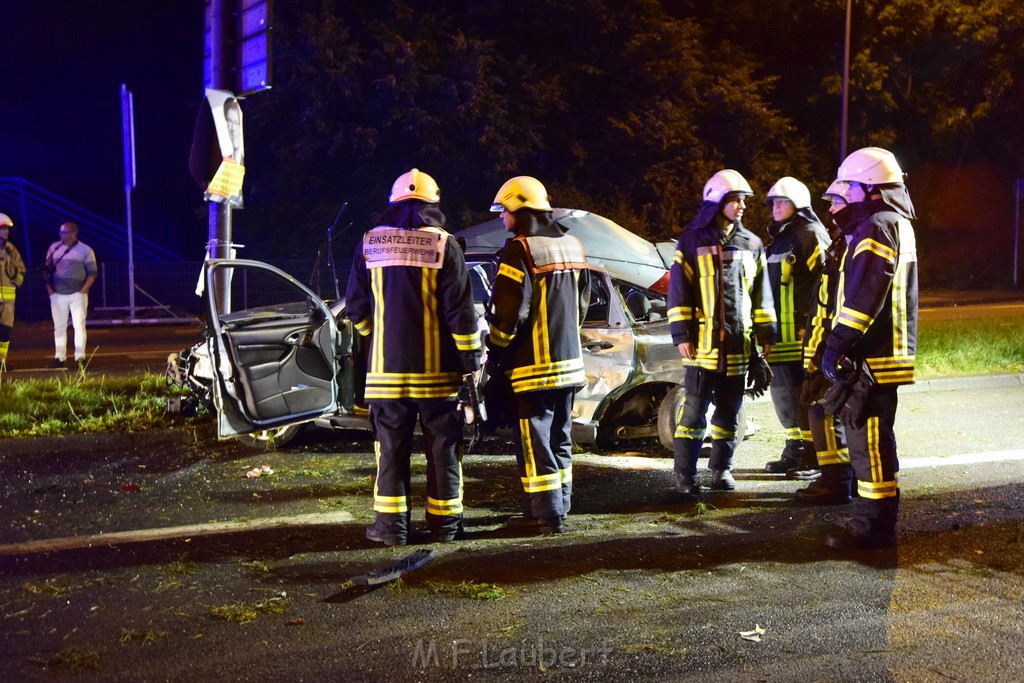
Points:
(703, 387)
(876, 466)
(394, 422)
(544, 454)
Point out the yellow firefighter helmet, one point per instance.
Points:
(521, 192)
(415, 184)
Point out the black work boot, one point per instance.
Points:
(721, 480)
(808, 469)
(685, 467)
(789, 459)
(833, 487)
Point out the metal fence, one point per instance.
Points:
(164, 290)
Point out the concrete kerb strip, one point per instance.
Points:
(947, 384)
(174, 532)
(969, 382)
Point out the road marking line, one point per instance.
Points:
(632, 462)
(962, 459)
(188, 531)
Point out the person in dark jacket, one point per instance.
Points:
(874, 334)
(719, 297)
(409, 292)
(541, 293)
(796, 254)
(833, 484)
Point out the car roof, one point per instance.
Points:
(623, 254)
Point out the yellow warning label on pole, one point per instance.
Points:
(226, 185)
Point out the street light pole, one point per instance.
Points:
(1018, 189)
(219, 227)
(846, 85)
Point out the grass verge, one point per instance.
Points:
(83, 404)
(970, 347)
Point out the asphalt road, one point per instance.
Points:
(130, 566)
(111, 349)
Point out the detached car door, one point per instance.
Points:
(274, 353)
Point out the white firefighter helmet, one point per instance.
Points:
(867, 166)
(521, 192)
(415, 184)
(792, 189)
(5, 221)
(870, 166)
(726, 181)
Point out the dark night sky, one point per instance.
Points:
(62, 63)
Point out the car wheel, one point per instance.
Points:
(668, 417)
(270, 439)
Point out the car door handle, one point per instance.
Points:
(295, 338)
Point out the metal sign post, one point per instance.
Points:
(128, 130)
(1018, 190)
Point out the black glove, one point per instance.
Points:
(759, 376)
(813, 388)
(830, 364)
(835, 398)
(852, 412)
(497, 395)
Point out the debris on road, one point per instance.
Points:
(410, 562)
(259, 471)
(753, 636)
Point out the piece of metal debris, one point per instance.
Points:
(413, 560)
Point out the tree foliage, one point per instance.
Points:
(623, 108)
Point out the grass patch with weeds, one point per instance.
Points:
(76, 661)
(248, 612)
(84, 404)
(49, 587)
(470, 590)
(134, 635)
(256, 566)
(700, 509)
(970, 347)
(183, 568)
(362, 485)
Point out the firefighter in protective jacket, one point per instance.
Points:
(796, 254)
(541, 293)
(835, 474)
(718, 296)
(12, 275)
(874, 332)
(409, 292)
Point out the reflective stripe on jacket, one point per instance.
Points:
(796, 256)
(875, 316)
(409, 291)
(718, 293)
(540, 295)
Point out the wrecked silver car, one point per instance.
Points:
(293, 359)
